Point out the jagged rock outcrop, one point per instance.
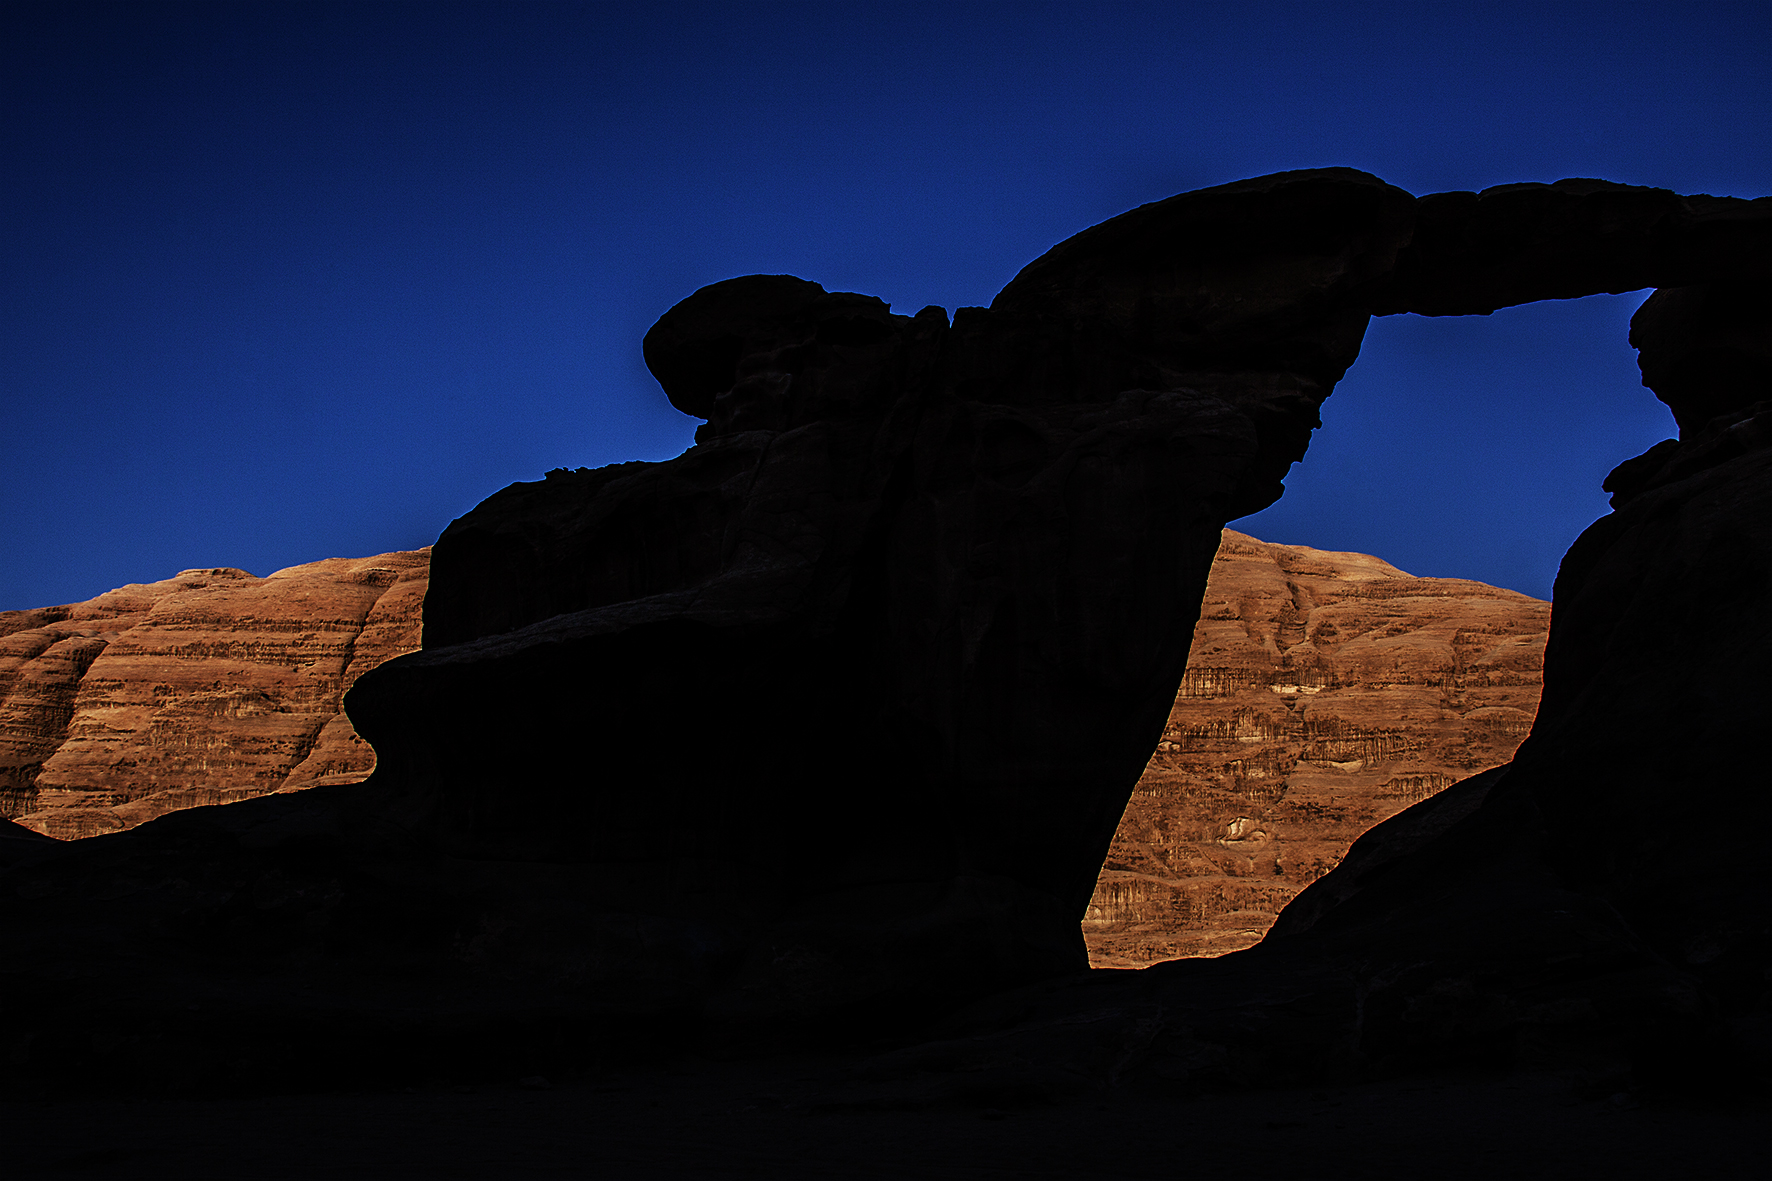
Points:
(965, 551)
(1325, 692)
(206, 688)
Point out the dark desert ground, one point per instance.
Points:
(699, 1119)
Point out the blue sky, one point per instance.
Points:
(290, 281)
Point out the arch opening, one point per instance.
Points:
(1463, 454)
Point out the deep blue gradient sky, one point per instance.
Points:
(290, 281)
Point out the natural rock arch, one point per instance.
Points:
(930, 572)
(831, 718)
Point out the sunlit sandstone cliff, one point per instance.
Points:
(1324, 693)
(206, 688)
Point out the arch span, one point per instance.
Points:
(953, 560)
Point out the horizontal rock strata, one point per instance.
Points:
(1325, 692)
(206, 688)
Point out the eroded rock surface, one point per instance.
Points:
(206, 688)
(1325, 692)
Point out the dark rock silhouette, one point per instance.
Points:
(18, 841)
(1706, 350)
(961, 549)
(1574, 909)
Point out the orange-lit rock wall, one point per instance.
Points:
(205, 688)
(1324, 693)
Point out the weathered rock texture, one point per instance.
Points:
(207, 688)
(948, 567)
(1325, 692)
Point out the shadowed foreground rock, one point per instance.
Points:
(961, 550)
(1574, 909)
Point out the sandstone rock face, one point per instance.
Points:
(1325, 692)
(969, 552)
(207, 688)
